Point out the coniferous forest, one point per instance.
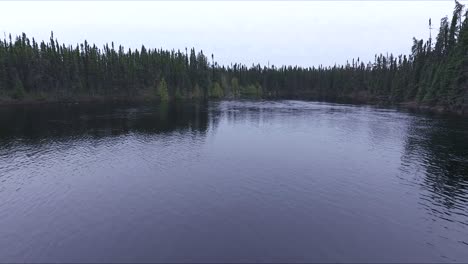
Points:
(435, 74)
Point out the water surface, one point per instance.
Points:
(232, 181)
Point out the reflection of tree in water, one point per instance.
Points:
(438, 148)
(100, 120)
(59, 135)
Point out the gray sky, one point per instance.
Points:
(290, 32)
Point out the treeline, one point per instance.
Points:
(435, 73)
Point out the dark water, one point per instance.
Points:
(232, 182)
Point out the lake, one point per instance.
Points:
(232, 181)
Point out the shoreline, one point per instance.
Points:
(412, 106)
(437, 109)
(78, 100)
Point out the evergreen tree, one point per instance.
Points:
(434, 73)
(162, 92)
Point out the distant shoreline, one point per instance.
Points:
(413, 106)
(432, 78)
(78, 100)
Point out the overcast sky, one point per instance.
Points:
(290, 32)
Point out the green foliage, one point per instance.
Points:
(251, 90)
(225, 86)
(18, 92)
(162, 92)
(235, 87)
(259, 90)
(216, 91)
(197, 93)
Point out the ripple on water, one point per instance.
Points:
(232, 181)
